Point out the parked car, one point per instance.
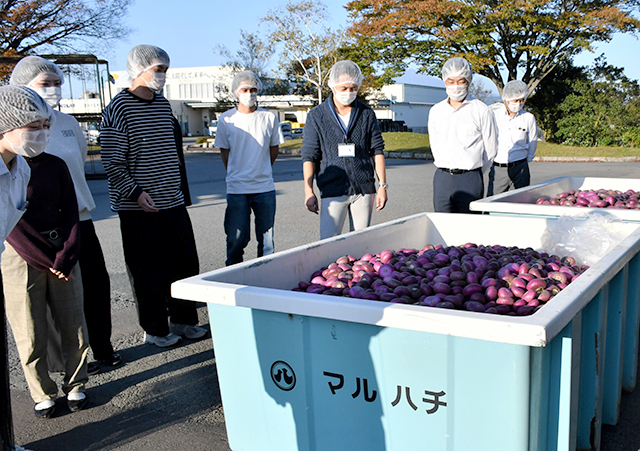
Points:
(213, 127)
(297, 133)
(92, 135)
(286, 130)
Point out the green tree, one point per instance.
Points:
(304, 40)
(603, 110)
(522, 39)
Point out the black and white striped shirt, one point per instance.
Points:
(139, 152)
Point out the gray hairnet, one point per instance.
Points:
(20, 106)
(143, 57)
(30, 68)
(245, 78)
(515, 90)
(457, 67)
(348, 71)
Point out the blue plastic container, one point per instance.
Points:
(299, 371)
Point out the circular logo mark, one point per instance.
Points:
(283, 376)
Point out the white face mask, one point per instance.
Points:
(248, 99)
(157, 82)
(50, 94)
(457, 93)
(31, 144)
(514, 107)
(345, 98)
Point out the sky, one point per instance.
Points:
(190, 30)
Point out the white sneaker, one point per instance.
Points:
(163, 342)
(190, 332)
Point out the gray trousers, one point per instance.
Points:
(502, 180)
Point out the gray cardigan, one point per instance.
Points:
(340, 176)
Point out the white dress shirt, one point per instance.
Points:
(13, 195)
(463, 138)
(517, 135)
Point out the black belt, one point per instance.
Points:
(510, 165)
(458, 171)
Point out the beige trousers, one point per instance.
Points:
(27, 293)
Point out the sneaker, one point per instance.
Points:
(77, 401)
(92, 368)
(163, 342)
(44, 409)
(113, 360)
(187, 331)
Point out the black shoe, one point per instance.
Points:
(45, 413)
(113, 360)
(79, 404)
(92, 368)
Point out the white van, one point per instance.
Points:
(213, 128)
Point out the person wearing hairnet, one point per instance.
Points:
(248, 137)
(141, 157)
(39, 269)
(464, 141)
(517, 140)
(343, 149)
(14, 177)
(68, 142)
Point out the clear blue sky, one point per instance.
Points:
(189, 30)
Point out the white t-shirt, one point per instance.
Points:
(67, 141)
(248, 138)
(463, 138)
(517, 135)
(13, 195)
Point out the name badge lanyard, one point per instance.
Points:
(340, 124)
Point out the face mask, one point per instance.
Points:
(50, 94)
(248, 99)
(457, 93)
(157, 82)
(514, 107)
(32, 143)
(345, 98)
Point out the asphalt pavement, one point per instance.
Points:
(168, 399)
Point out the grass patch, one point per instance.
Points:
(406, 142)
(546, 149)
(292, 144)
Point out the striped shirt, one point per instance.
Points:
(139, 152)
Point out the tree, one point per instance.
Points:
(478, 90)
(59, 26)
(603, 110)
(525, 39)
(298, 28)
(253, 55)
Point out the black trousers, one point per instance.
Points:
(159, 248)
(6, 420)
(452, 193)
(97, 292)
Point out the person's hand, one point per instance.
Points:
(311, 202)
(381, 198)
(59, 274)
(146, 203)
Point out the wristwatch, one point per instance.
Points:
(384, 185)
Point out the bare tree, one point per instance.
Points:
(298, 28)
(253, 55)
(478, 90)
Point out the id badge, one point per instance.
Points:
(346, 150)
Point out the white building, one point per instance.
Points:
(409, 99)
(198, 94)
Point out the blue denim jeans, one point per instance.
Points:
(237, 223)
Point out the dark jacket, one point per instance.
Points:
(339, 176)
(52, 205)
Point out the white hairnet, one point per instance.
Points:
(30, 68)
(20, 106)
(143, 57)
(245, 78)
(345, 72)
(515, 90)
(457, 67)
